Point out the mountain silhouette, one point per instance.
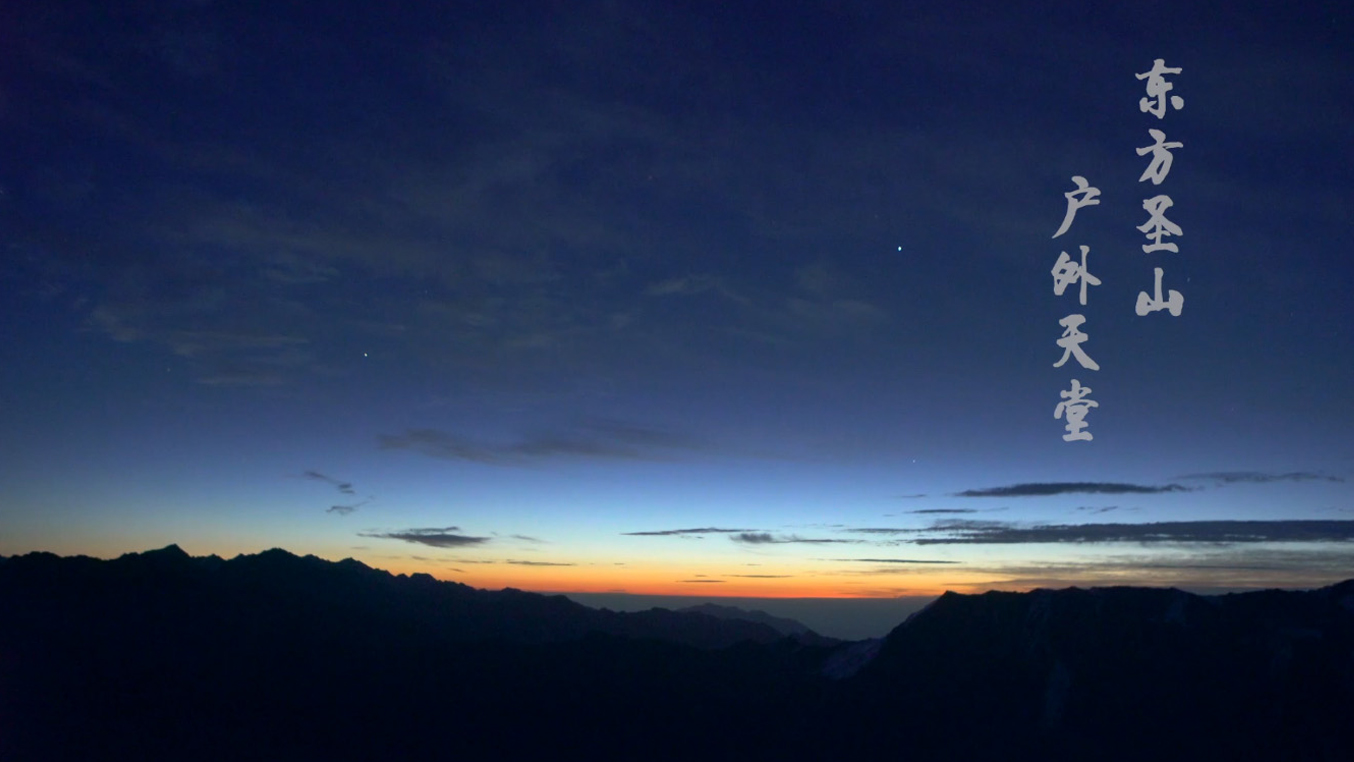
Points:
(783, 625)
(1158, 670)
(160, 655)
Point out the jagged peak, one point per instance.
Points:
(169, 552)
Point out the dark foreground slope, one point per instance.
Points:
(162, 656)
(1121, 673)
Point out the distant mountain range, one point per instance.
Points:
(160, 655)
(782, 625)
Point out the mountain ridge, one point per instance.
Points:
(465, 612)
(162, 655)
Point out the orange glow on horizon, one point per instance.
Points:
(691, 577)
(661, 580)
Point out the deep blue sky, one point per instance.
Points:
(666, 297)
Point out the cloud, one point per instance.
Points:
(701, 580)
(762, 576)
(945, 510)
(539, 563)
(1258, 477)
(242, 378)
(1216, 532)
(766, 538)
(1044, 489)
(1101, 509)
(358, 206)
(344, 510)
(344, 487)
(416, 202)
(432, 537)
(753, 538)
(170, 307)
(604, 440)
(526, 538)
(671, 532)
(691, 285)
(891, 561)
(883, 570)
(1234, 568)
(437, 444)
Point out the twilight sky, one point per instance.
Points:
(741, 299)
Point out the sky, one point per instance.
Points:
(708, 299)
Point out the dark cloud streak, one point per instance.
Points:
(766, 538)
(431, 536)
(945, 510)
(1213, 532)
(1258, 477)
(344, 487)
(1045, 489)
(696, 531)
(344, 510)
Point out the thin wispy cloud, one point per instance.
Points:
(539, 563)
(392, 214)
(1236, 567)
(1045, 489)
(602, 440)
(944, 510)
(766, 538)
(1175, 532)
(883, 570)
(1260, 477)
(443, 537)
(698, 581)
(344, 487)
(522, 537)
(344, 510)
(891, 560)
(238, 351)
(695, 531)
